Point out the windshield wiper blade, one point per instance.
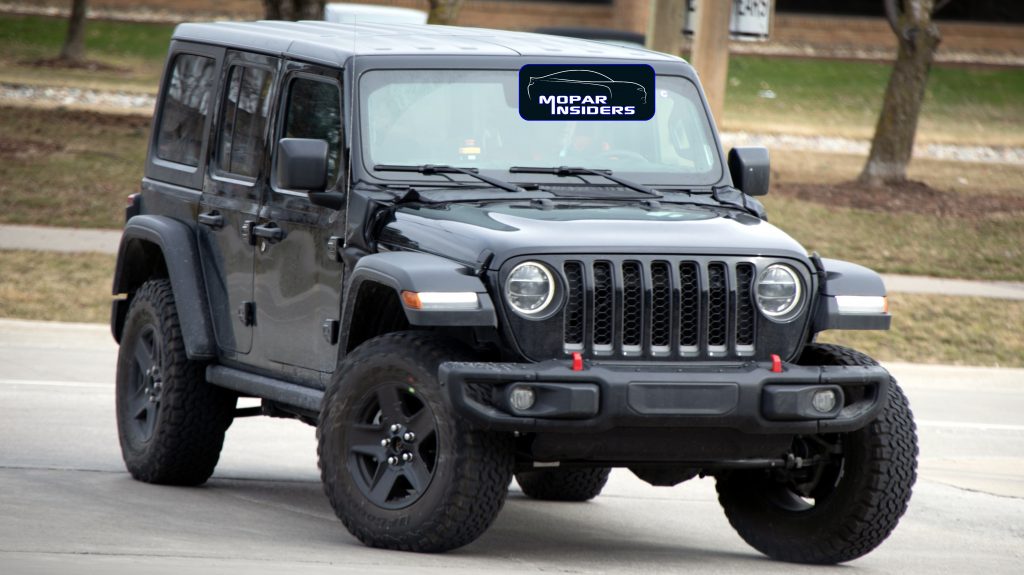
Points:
(563, 171)
(431, 169)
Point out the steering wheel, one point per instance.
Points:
(618, 154)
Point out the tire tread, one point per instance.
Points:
(877, 507)
(194, 414)
(563, 484)
(482, 469)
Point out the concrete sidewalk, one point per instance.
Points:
(71, 240)
(67, 240)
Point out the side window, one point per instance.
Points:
(314, 111)
(243, 125)
(186, 104)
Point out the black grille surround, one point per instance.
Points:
(676, 308)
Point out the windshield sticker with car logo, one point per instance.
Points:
(586, 92)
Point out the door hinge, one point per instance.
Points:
(334, 245)
(330, 327)
(247, 313)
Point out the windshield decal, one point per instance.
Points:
(586, 92)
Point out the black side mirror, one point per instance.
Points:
(749, 170)
(302, 165)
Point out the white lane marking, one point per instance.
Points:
(40, 382)
(969, 425)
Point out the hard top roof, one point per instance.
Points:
(333, 43)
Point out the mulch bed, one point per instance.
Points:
(911, 196)
(10, 147)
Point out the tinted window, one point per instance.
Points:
(246, 108)
(314, 111)
(186, 105)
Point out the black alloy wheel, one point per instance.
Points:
(147, 383)
(392, 446)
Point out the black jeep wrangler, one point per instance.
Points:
(355, 225)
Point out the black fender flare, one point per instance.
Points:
(841, 278)
(176, 242)
(421, 272)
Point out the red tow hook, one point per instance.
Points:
(776, 363)
(577, 361)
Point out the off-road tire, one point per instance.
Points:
(863, 508)
(563, 484)
(175, 439)
(471, 469)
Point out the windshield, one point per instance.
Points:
(470, 118)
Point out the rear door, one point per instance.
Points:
(230, 204)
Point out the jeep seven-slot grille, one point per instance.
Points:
(659, 308)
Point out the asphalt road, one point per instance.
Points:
(68, 506)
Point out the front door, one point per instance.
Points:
(298, 280)
(231, 198)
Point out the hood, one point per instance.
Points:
(472, 233)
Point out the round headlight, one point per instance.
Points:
(778, 292)
(530, 288)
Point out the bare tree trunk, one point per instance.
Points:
(665, 26)
(893, 143)
(308, 9)
(74, 42)
(293, 9)
(444, 11)
(272, 9)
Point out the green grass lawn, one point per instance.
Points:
(41, 36)
(962, 105)
(136, 50)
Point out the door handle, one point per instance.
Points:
(212, 219)
(269, 231)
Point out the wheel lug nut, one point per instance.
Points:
(409, 436)
(392, 460)
(407, 457)
(395, 428)
(385, 442)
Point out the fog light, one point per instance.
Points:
(522, 398)
(824, 400)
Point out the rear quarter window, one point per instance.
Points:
(186, 105)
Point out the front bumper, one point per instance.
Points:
(749, 397)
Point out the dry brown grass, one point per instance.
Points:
(926, 328)
(943, 329)
(56, 287)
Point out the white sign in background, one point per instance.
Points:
(750, 19)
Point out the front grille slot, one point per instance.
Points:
(718, 309)
(604, 292)
(745, 318)
(660, 308)
(689, 308)
(574, 307)
(632, 308)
